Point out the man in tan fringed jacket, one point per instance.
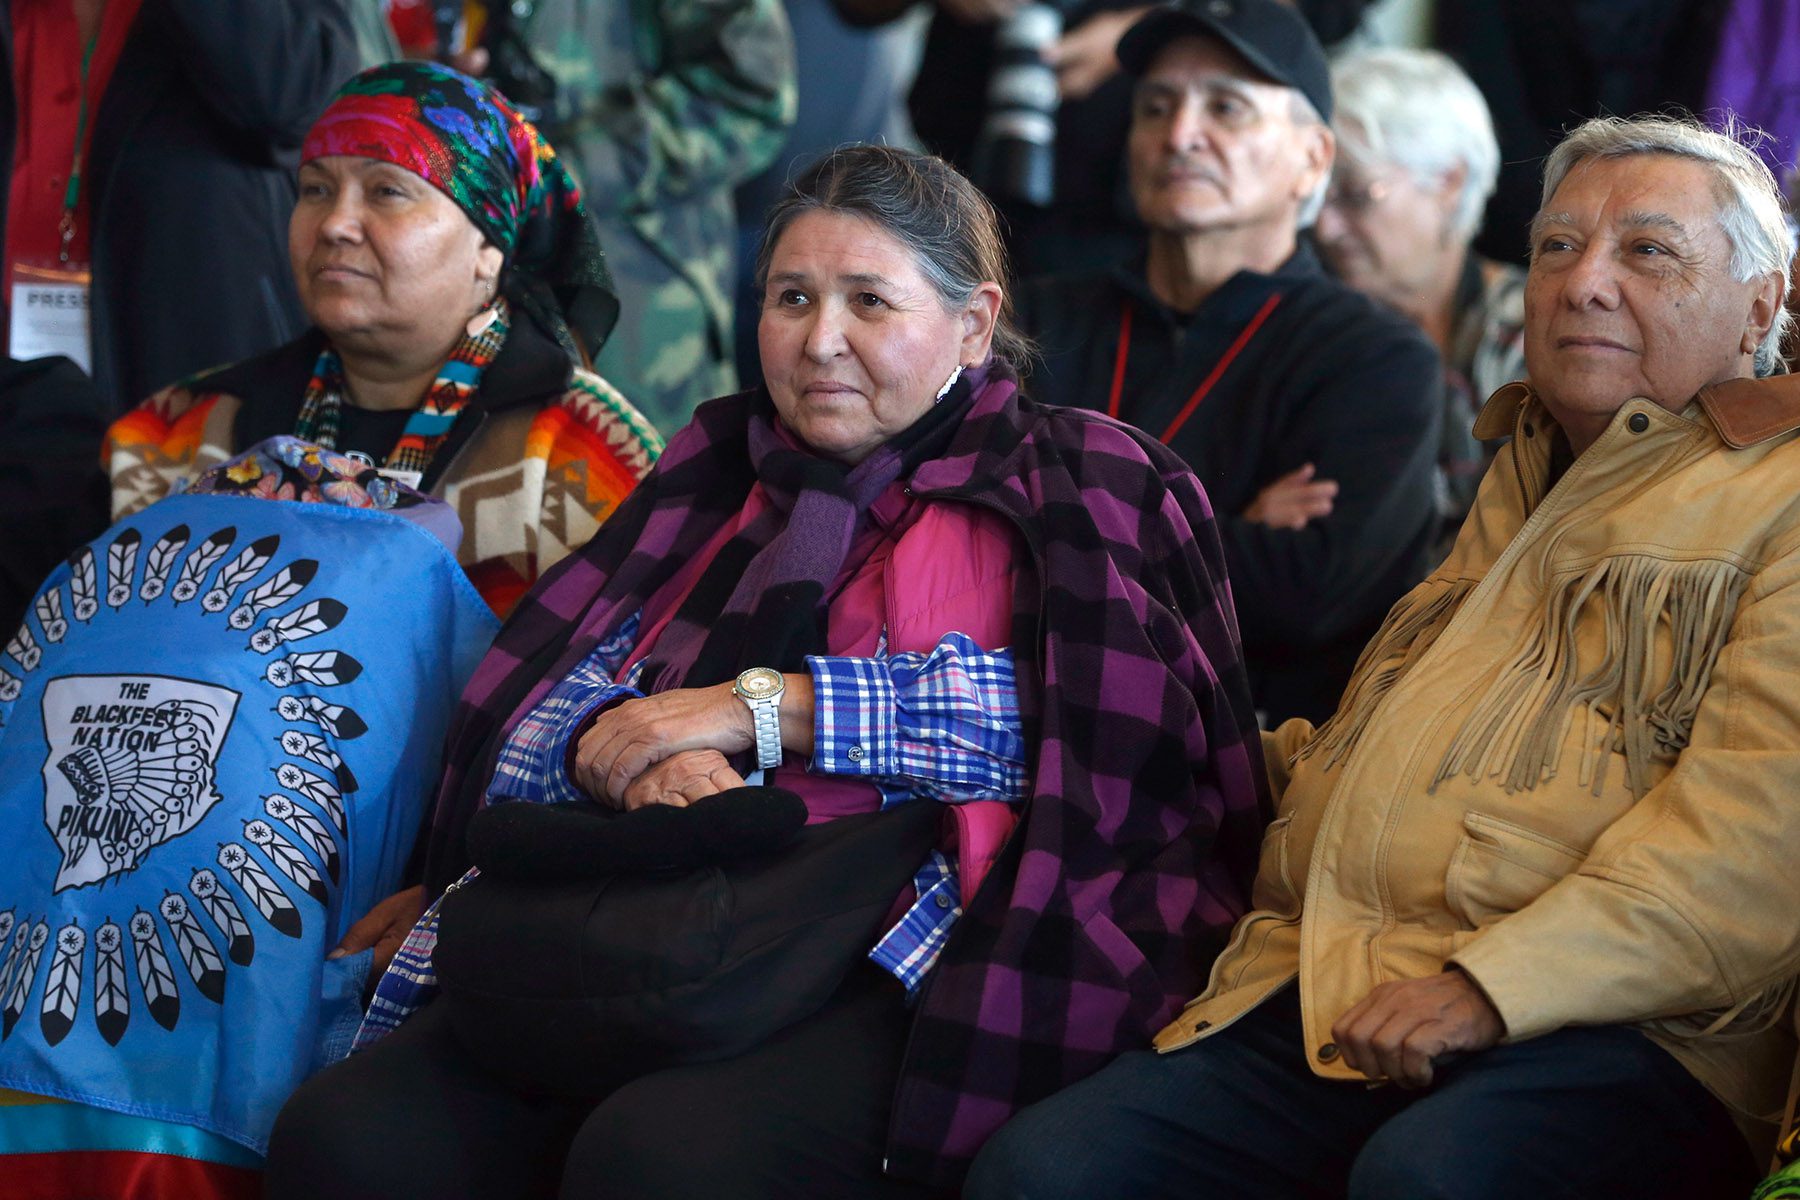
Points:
(1525, 922)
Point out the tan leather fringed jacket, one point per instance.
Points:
(1569, 762)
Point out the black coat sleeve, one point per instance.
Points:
(1364, 410)
(267, 67)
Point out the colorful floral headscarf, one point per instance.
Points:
(465, 139)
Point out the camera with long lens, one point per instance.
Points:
(1015, 152)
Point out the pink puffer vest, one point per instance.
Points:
(931, 568)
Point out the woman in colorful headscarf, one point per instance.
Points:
(455, 282)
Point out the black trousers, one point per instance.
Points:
(804, 1115)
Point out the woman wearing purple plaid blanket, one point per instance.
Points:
(883, 579)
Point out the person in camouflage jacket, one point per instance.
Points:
(661, 108)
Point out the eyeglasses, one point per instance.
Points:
(1351, 198)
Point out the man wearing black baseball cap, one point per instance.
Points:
(1309, 412)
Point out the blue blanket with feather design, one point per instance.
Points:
(221, 727)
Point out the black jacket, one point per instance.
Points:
(53, 493)
(190, 175)
(1328, 378)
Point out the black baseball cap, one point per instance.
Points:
(1273, 37)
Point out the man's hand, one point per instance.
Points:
(629, 739)
(1293, 500)
(681, 779)
(1084, 57)
(1398, 1028)
(384, 928)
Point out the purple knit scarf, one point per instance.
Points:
(762, 599)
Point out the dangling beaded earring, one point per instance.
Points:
(948, 384)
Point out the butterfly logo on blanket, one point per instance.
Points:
(131, 769)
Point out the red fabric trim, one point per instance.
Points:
(124, 1175)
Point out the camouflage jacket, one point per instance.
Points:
(661, 108)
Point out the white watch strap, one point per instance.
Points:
(765, 714)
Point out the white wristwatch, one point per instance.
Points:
(760, 688)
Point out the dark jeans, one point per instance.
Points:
(804, 1115)
(1596, 1112)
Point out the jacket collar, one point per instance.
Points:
(1749, 411)
(1237, 299)
(1744, 412)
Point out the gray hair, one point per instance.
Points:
(1418, 110)
(951, 229)
(1750, 209)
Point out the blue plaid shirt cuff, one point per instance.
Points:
(910, 949)
(533, 762)
(410, 982)
(944, 725)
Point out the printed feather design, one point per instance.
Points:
(239, 571)
(273, 592)
(49, 610)
(21, 984)
(240, 943)
(10, 687)
(121, 565)
(154, 973)
(62, 986)
(263, 891)
(7, 921)
(112, 998)
(325, 668)
(160, 561)
(307, 828)
(314, 748)
(24, 648)
(82, 584)
(15, 956)
(319, 791)
(288, 859)
(311, 618)
(334, 719)
(198, 954)
(193, 572)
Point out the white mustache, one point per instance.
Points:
(1190, 170)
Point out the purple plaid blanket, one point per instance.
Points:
(1137, 846)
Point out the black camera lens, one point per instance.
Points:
(1015, 152)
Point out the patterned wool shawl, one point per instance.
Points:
(1137, 846)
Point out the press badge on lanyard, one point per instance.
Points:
(50, 312)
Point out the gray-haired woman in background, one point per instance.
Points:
(1416, 164)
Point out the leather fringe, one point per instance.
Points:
(1747, 1018)
(1409, 630)
(1517, 731)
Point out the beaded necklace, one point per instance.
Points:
(321, 411)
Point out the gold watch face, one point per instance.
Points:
(759, 683)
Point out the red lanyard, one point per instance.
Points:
(1206, 385)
